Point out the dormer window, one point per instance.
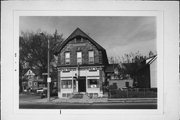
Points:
(67, 58)
(91, 57)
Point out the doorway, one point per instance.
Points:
(82, 84)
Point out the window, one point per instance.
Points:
(35, 83)
(79, 40)
(79, 57)
(66, 84)
(67, 58)
(91, 57)
(93, 83)
(30, 83)
(127, 84)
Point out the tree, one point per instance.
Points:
(129, 63)
(34, 48)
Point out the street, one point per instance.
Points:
(90, 106)
(35, 102)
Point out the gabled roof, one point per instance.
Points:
(151, 59)
(31, 71)
(77, 32)
(126, 68)
(129, 68)
(111, 67)
(147, 62)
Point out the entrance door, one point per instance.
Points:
(82, 84)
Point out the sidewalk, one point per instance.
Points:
(132, 100)
(54, 100)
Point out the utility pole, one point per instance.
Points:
(48, 78)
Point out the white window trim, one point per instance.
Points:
(79, 58)
(67, 63)
(89, 57)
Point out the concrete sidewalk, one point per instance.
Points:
(132, 100)
(54, 100)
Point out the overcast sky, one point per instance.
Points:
(118, 35)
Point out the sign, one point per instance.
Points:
(45, 73)
(48, 79)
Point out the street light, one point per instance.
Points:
(48, 77)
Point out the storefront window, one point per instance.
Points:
(93, 83)
(66, 84)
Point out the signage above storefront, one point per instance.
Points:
(90, 68)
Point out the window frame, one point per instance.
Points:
(90, 58)
(67, 63)
(79, 58)
(97, 85)
(66, 83)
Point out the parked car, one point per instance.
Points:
(40, 90)
(25, 90)
(53, 92)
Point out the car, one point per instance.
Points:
(53, 92)
(40, 90)
(25, 90)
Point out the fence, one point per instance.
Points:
(133, 93)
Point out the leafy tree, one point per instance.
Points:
(33, 51)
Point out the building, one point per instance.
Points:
(117, 75)
(33, 80)
(146, 75)
(81, 65)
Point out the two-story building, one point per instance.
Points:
(33, 80)
(81, 65)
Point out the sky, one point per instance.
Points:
(119, 35)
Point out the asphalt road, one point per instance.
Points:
(90, 106)
(29, 97)
(34, 105)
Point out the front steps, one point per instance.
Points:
(79, 96)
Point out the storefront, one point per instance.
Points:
(83, 80)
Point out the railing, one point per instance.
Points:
(133, 93)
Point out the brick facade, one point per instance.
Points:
(87, 77)
(84, 47)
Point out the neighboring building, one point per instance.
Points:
(146, 75)
(81, 65)
(117, 75)
(33, 80)
(112, 72)
(121, 84)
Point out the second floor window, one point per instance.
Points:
(67, 58)
(91, 57)
(79, 57)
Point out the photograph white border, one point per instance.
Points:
(10, 37)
